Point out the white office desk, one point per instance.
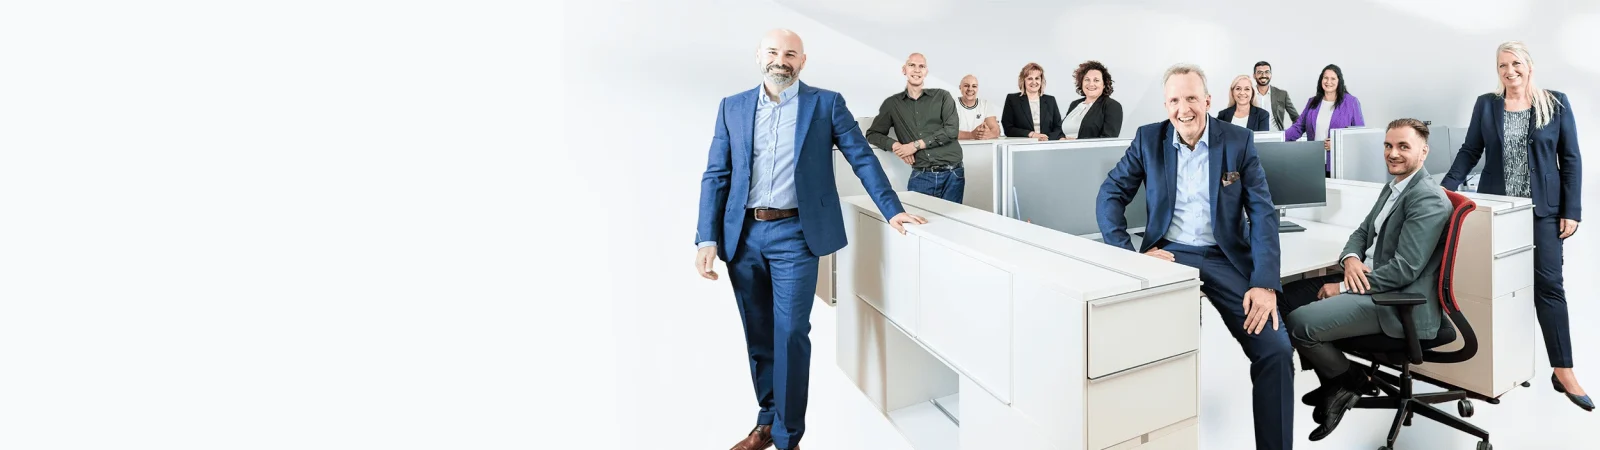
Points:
(1316, 248)
(976, 331)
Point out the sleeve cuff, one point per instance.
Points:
(705, 244)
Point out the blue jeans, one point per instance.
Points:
(948, 185)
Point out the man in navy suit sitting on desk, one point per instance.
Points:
(1203, 183)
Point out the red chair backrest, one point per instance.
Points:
(1460, 207)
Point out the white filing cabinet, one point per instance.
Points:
(1494, 286)
(975, 331)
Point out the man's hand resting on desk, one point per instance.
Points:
(900, 220)
(1355, 275)
(1260, 304)
(1161, 255)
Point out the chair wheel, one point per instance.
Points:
(1385, 448)
(1525, 384)
(1484, 445)
(1464, 407)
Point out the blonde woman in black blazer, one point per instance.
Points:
(1019, 120)
(1103, 118)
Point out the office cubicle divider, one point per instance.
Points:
(1055, 184)
(1358, 153)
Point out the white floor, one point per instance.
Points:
(695, 370)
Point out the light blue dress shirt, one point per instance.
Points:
(772, 168)
(1191, 211)
(772, 165)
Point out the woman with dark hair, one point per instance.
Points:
(1531, 141)
(1332, 108)
(1096, 115)
(1030, 113)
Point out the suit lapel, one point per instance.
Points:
(744, 129)
(1216, 149)
(1497, 115)
(808, 102)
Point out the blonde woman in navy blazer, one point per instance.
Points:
(1532, 143)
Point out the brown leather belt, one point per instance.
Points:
(765, 214)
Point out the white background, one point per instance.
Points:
(323, 224)
(346, 224)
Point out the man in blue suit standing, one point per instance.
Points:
(769, 209)
(1210, 209)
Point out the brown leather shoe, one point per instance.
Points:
(759, 438)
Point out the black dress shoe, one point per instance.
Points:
(1581, 400)
(1349, 388)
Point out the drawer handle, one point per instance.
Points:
(1512, 210)
(1144, 293)
(1509, 253)
(1129, 370)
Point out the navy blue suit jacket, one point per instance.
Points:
(1258, 121)
(1553, 161)
(1252, 246)
(823, 122)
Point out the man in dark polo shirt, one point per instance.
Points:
(925, 126)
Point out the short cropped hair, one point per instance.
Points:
(1183, 69)
(1414, 124)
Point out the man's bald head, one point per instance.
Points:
(780, 57)
(969, 88)
(915, 70)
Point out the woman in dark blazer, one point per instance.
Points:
(1243, 92)
(1531, 141)
(1103, 117)
(1030, 113)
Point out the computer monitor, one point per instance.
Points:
(1294, 176)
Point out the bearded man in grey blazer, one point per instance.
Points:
(1272, 99)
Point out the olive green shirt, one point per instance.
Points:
(931, 118)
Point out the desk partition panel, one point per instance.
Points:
(1055, 184)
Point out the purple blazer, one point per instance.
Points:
(1347, 114)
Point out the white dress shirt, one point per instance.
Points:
(1033, 104)
(1264, 101)
(1074, 120)
(1395, 188)
(1324, 121)
(1191, 211)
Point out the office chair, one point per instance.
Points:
(1400, 354)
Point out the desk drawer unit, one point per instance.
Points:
(1136, 329)
(1128, 404)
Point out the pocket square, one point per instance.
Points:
(1229, 178)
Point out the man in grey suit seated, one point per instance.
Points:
(1395, 250)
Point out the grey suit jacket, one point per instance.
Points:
(1281, 106)
(1408, 254)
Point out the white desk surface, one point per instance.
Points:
(1315, 248)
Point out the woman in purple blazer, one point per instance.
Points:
(1332, 108)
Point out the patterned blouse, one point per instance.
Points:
(1516, 153)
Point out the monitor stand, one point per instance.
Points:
(1285, 226)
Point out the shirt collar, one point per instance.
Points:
(1205, 136)
(1398, 186)
(783, 97)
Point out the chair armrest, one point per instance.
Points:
(1402, 303)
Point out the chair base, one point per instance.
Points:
(1397, 395)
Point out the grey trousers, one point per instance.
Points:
(1314, 327)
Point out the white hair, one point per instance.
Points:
(1186, 68)
(1544, 103)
